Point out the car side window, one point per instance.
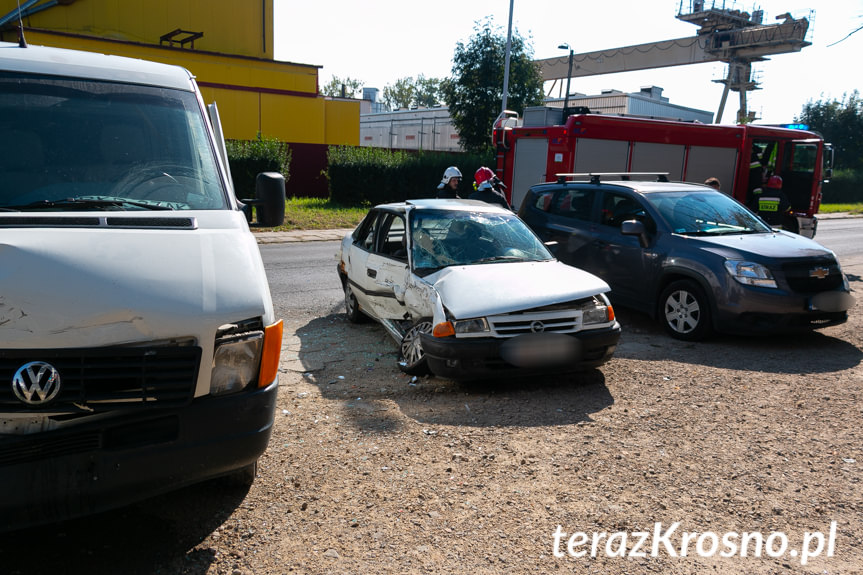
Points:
(573, 203)
(544, 200)
(391, 237)
(366, 236)
(618, 208)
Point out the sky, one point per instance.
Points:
(381, 41)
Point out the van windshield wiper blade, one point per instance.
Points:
(96, 202)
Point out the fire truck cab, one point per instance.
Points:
(743, 157)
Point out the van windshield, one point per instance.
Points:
(70, 145)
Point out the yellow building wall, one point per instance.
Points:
(242, 27)
(341, 129)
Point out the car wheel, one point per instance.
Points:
(412, 359)
(352, 307)
(685, 311)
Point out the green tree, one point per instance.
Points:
(428, 92)
(401, 94)
(407, 93)
(475, 91)
(352, 87)
(841, 123)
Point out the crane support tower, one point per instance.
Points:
(731, 36)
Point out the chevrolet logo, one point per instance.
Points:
(819, 273)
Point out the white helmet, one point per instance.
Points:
(450, 173)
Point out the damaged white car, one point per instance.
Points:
(469, 291)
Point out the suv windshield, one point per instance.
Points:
(705, 213)
(442, 238)
(72, 145)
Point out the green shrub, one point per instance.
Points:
(845, 187)
(248, 158)
(365, 175)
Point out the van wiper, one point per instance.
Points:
(106, 202)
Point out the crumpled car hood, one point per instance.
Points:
(491, 289)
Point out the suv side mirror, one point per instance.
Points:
(635, 228)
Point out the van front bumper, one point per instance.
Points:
(121, 458)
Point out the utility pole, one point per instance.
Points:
(568, 76)
(506, 61)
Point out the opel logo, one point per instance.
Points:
(537, 326)
(819, 273)
(36, 383)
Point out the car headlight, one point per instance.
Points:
(477, 325)
(750, 273)
(596, 310)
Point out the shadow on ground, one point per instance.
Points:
(158, 535)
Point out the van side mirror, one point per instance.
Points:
(635, 228)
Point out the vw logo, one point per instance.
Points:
(819, 273)
(537, 326)
(36, 383)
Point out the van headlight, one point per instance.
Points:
(750, 273)
(236, 360)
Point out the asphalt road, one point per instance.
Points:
(304, 282)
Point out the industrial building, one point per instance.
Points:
(431, 129)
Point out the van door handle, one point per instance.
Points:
(371, 273)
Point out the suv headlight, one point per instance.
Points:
(750, 273)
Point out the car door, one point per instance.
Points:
(380, 272)
(629, 268)
(568, 222)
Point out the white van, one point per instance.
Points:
(139, 349)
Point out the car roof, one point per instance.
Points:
(90, 65)
(639, 186)
(443, 204)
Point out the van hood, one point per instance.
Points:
(66, 287)
(779, 244)
(490, 289)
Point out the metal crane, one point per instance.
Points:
(731, 36)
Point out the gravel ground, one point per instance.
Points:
(370, 471)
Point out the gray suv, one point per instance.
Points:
(688, 255)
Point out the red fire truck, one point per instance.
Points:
(742, 157)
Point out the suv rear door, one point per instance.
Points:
(568, 215)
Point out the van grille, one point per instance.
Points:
(100, 379)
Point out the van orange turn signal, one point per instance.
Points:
(272, 353)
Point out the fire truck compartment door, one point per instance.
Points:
(530, 167)
(651, 157)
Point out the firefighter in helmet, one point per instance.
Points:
(448, 187)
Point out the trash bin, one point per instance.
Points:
(270, 196)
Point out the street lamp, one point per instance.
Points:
(568, 76)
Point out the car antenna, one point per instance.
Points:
(22, 43)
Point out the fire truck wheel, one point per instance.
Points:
(685, 311)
